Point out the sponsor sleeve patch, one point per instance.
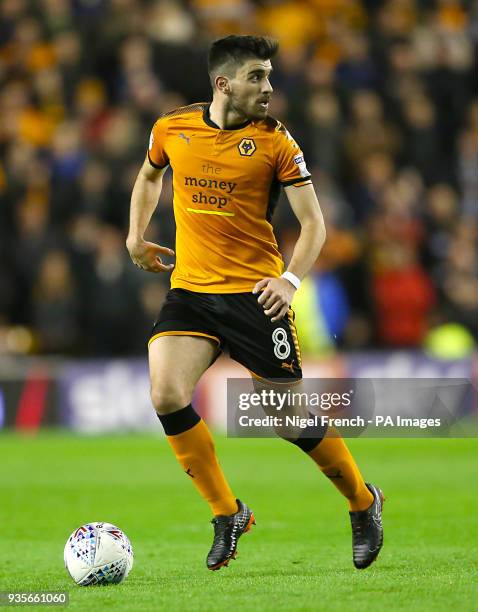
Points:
(300, 162)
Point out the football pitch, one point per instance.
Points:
(298, 557)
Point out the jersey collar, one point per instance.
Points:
(208, 121)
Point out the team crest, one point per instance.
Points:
(246, 147)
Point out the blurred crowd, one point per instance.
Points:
(381, 95)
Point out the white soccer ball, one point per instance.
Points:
(98, 553)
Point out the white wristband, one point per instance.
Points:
(292, 278)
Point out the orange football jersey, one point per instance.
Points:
(226, 184)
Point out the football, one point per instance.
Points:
(98, 553)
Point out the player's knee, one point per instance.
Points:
(168, 398)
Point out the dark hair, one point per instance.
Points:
(237, 49)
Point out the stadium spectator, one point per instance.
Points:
(55, 305)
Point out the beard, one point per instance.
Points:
(248, 108)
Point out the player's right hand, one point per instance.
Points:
(146, 255)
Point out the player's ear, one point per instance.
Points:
(222, 84)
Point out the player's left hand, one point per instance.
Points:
(276, 296)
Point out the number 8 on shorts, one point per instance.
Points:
(281, 344)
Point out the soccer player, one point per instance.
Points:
(229, 289)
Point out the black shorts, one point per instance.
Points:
(236, 321)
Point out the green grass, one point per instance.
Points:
(298, 556)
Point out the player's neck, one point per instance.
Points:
(224, 117)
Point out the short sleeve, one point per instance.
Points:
(156, 154)
(289, 159)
